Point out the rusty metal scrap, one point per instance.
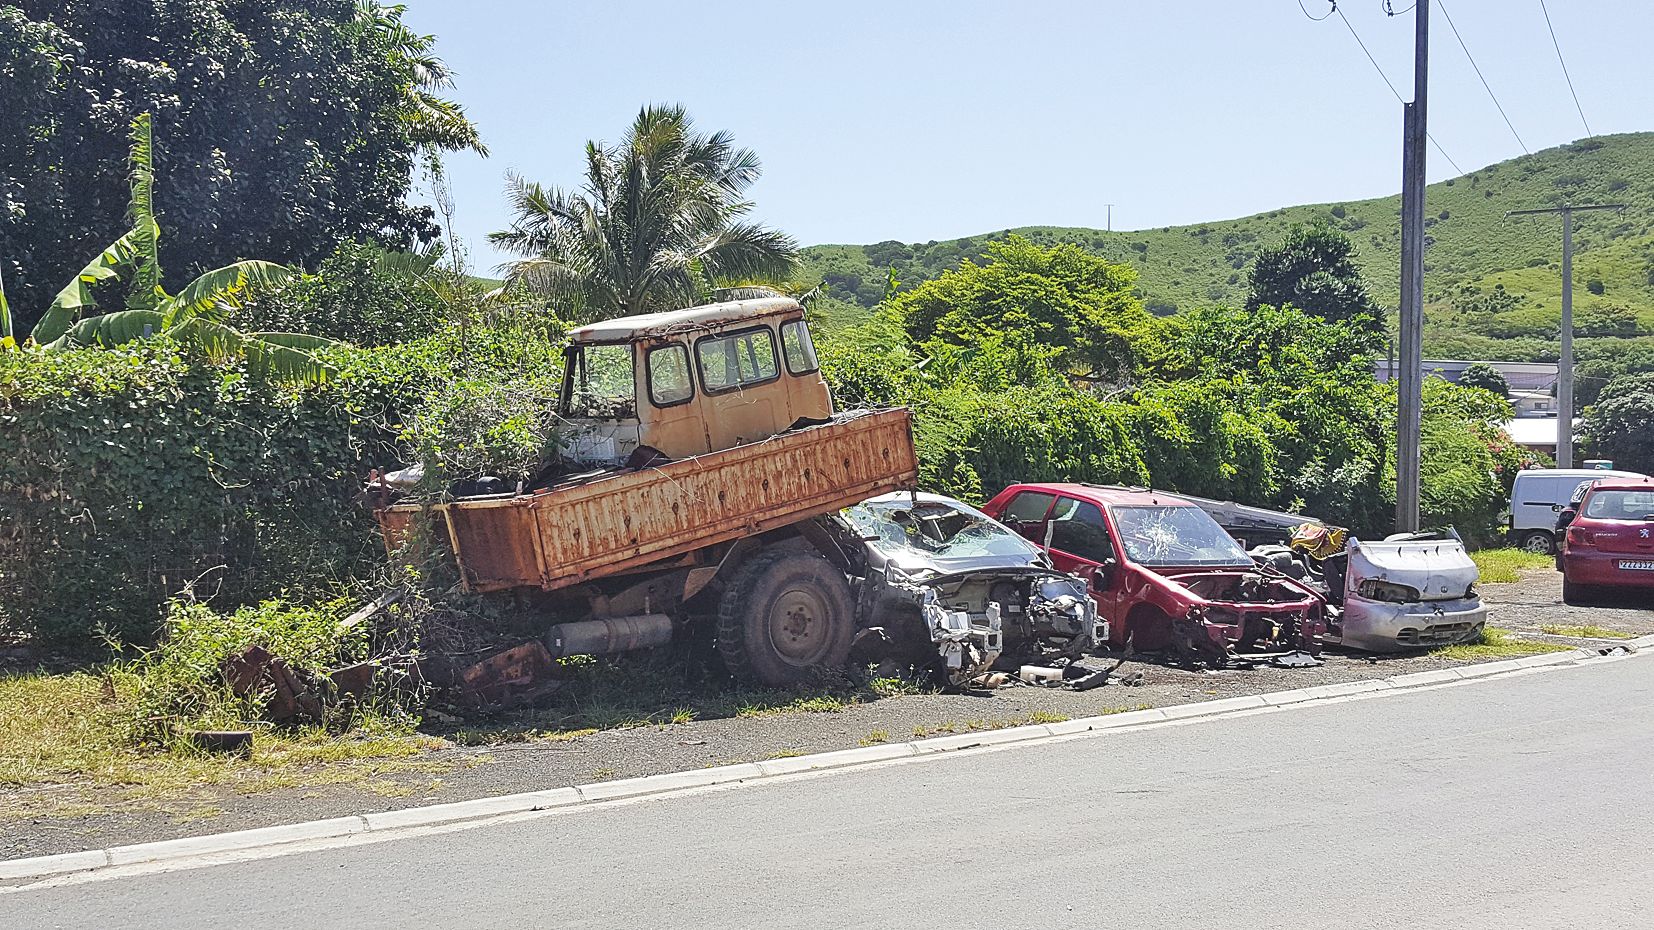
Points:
(508, 679)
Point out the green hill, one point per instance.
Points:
(1473, 247)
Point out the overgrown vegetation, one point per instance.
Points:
(1500, 566)
(1496, 643)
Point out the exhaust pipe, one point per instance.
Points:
(614, 634)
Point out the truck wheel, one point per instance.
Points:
(783, 614)
(1538, 542)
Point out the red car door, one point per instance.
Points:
(1081, 544)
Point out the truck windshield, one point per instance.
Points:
(934, 529)
(598, 383)
(1156, 536)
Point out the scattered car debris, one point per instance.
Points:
(223, 741)
(507, 679)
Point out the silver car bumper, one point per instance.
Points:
(1385, 626)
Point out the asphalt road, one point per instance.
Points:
(1516, 802)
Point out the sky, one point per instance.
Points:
(918, 120)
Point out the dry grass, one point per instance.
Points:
(65, 731)
(1587, 631)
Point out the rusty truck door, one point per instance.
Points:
(672, 411)
(740, 375)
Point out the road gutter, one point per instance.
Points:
(483, 810)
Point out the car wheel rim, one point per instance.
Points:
(1537, 544)
(798, 626)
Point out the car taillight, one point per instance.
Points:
(1579, 536)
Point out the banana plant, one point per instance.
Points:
(195, 317)
(7, 341)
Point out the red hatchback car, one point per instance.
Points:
(1163, 572)
(1610, 543)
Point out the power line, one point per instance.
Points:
(1564, 64)
(1387, 83)
(1478, 71)
(1316, 19)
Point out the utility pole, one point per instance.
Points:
(1410, 383)
(1565, 365)
(1110, 217)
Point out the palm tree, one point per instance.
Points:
(435, 123)
(656, 225)
(194, 317)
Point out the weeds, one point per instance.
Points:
(1495, 643)
(1587, 631)
(1500, 566)
(874, 738)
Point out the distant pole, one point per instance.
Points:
(1410, 380)
(1565, 364)
(1110, 226)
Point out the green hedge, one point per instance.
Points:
(127, 475)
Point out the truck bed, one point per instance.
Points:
(621, 521)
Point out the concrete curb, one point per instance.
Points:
(579, 795)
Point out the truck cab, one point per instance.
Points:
(689, 382)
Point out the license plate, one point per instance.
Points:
(1631, 565)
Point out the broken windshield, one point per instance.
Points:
(1157, 536)
(598, 383)
(934, 530)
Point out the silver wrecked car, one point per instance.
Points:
(945, 586)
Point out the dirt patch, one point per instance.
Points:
(525, 759)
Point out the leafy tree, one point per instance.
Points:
(361, 294)
(1485, 376)
(1620, 425)
(194, 317)
(657, 224)
(1314, 270)
(1030, 298)
(289, 128)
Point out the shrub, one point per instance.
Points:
(181, 686)
(127, 475)
(361, 294)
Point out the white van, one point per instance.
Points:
(1538, 495)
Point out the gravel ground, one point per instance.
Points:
(460, 773)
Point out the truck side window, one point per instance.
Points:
(669, 375)
(597, 382)
(796, 345)
(1077, 528)
(737, 360)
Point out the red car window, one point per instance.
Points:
(1078, 528)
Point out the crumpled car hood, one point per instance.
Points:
(1439, 569)
(917, 565)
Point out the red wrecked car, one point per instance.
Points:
(1610, 541)
(1164, 573)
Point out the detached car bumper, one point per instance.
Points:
(1387, 626)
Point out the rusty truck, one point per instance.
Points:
(698, 448)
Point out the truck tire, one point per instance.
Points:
(784, 614)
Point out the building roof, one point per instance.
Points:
(672, 322)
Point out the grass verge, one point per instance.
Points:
(1587, 631)
(1496, 643)
(71, 731)
(1501, 566)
